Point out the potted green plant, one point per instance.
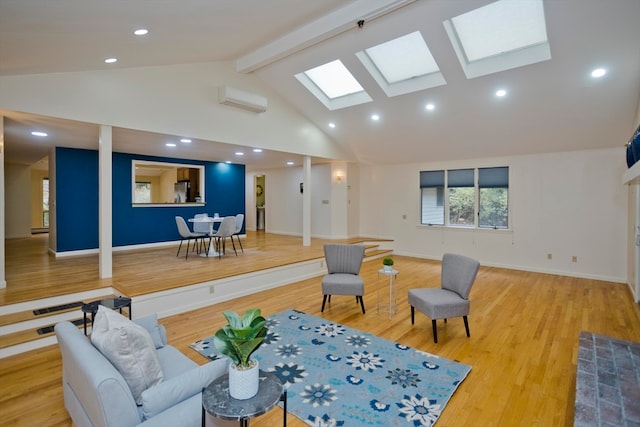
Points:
(238, 340)
(387, 262)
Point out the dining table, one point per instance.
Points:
(208, 220)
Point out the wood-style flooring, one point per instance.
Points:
(523, 345)
(32, 273)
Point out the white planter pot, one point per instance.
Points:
(387, 267)
(244, 383)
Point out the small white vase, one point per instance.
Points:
(244, 383)
(388, 267)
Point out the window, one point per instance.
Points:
(402, 65)
(142, 193)
(499, 36)
(481, 193)
(493, 185)
(333, 85)
(432, 189)
(45, 202)
(462, 190)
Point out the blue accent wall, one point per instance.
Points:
(78, 170)
(76, 199)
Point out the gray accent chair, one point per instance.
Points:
(452, 299)
(343, 268)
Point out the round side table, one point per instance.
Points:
(217, 402)
(392, 306)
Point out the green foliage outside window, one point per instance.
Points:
(461, 204)
(494, 211)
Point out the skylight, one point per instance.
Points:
(334, 80)
(402, 65)
(403, 58)
(499, 36)
(333, 85)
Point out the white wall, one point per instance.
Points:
(283, 201)
(177, 100)
(17, 200)
(633, 224)
(338, 201)
(567, 204)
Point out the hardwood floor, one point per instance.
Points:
(32, 273)
(523, 346)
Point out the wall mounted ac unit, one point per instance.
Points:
(238, 98)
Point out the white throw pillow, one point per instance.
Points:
(129, 348)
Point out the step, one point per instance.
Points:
(378, 253)
(23, 337)
(27, 335)
(20, 327)
(26, 315)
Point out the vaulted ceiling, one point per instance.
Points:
(553, 105)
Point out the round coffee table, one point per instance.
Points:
(217, 402)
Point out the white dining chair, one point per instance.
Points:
(227, 229)
(185, 233)
(239, 223)
(201, 227)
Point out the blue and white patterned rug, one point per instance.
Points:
(339, 376)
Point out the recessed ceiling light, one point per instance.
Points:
(170, 144)
(598, 72)
(430, 107)
(332, 125)
(141, 32)
(375, 117)
(257, 150)
(500, 93)
(185, 140)
(110, 60)
(239, 153)
(290, 163)
(38, 133)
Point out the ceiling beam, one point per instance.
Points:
(328, 26)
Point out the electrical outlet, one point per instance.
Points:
(549, 256)
(574, 259)
(212, 289)
(404, 216)
(321, 264)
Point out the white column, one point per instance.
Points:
(306, 202)
(3, 277)
(105, 222)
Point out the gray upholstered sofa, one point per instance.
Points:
(97, 395)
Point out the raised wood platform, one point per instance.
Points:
(155, 279)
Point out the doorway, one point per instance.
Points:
(260, 188)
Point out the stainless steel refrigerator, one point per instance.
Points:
(181, 192)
